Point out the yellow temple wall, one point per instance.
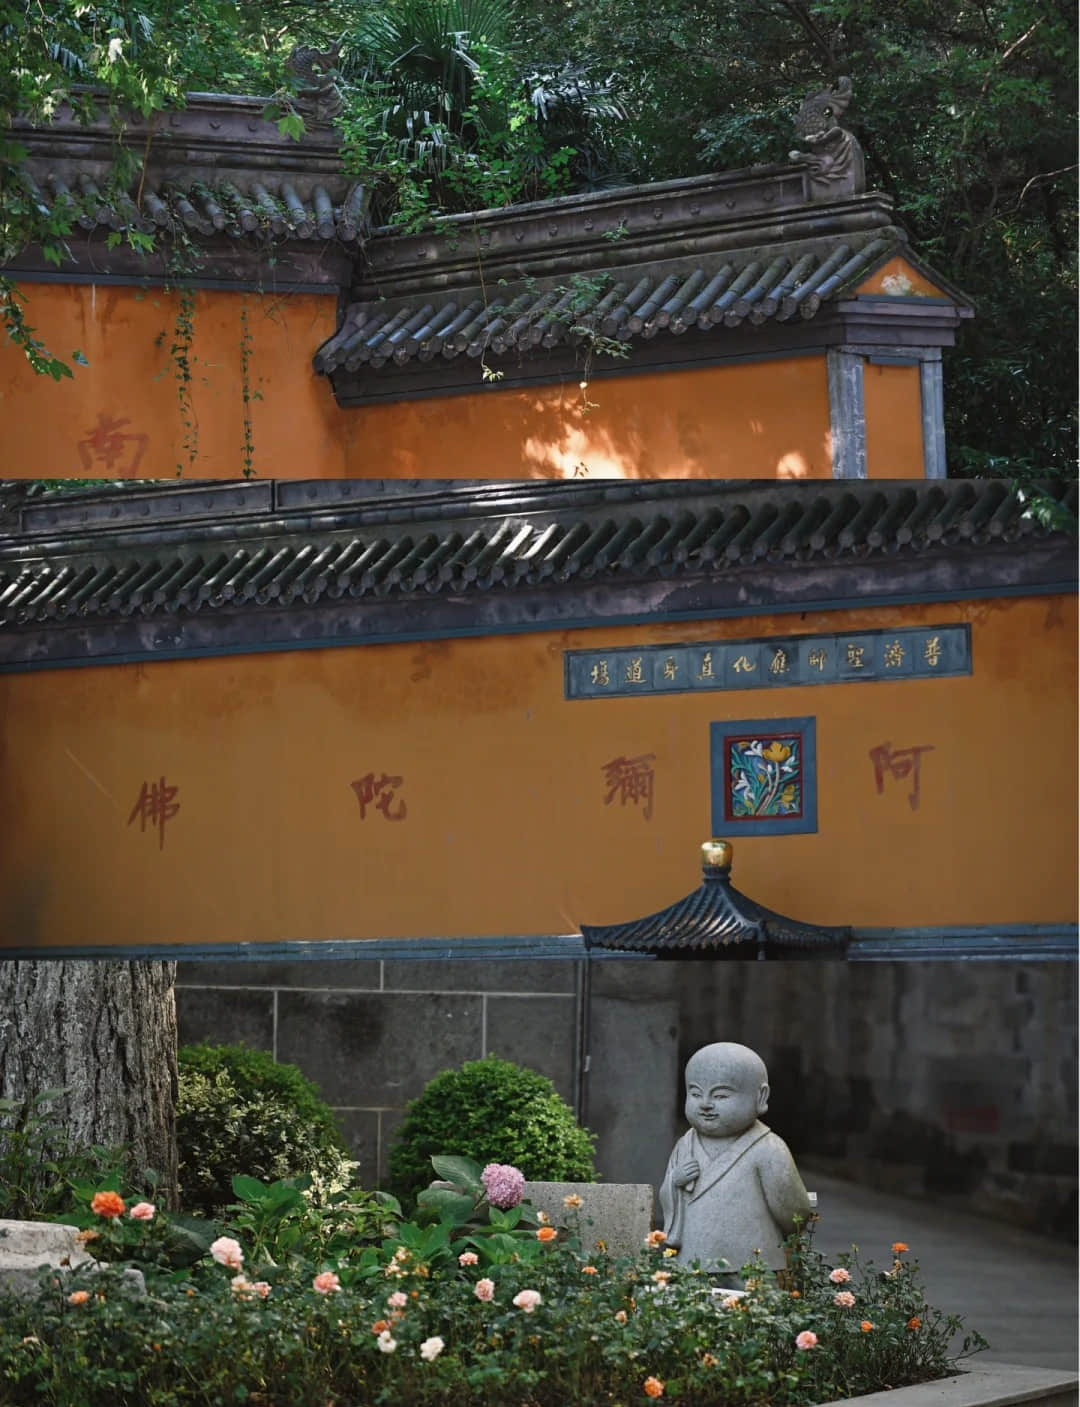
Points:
(132, 414)
(495, 816)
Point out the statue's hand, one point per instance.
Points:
(687, 1173)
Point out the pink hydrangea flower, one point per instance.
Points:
(845, 1299)
(806, 1340)
(840, 1276)
(143, 1211)
(398, 1300)
(484, 1290)
(468, 1258)
(226, 1251)
(504, 1185)
(527, 1300)
(326, 1283)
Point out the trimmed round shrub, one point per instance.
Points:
(494, 1112)
(238, 1111)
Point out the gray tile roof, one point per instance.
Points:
(162, 551)
(719, 921)
(724, 291)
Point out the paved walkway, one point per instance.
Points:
(1018, 1290)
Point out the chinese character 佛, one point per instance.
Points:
(630, 779)
(904, 762)
(379, 792)
(156, 804)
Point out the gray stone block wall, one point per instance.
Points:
(372, 1033)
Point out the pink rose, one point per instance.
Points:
(326, 1283)
(504, 1185)
(398, 1300)
(226, 1251)
(845, 1299)
(527, 1300)
(484, 1290)
(807, 1339)
(468, 1258)
(143, 1211)
(840, 1276)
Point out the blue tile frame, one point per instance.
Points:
(729, 827)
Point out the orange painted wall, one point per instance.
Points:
(121, 417)
(126, 334)
(506, 830)
(894, 442)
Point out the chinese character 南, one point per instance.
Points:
(105, 444)
(600, 674)
(855, 656)
(635, 674)
(379, 792)
(631, 779)
(780, 663)
(901, 763)
(157, 804)
(932, 651)
(817, 658)
(894, 655)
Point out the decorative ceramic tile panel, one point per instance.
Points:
(928, 652)
(764, 777)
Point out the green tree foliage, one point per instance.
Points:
(966, 113)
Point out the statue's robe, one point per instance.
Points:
(744, 1201)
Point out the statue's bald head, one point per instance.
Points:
(727, 1088)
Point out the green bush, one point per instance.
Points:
(238, 1111)
(494, 1112)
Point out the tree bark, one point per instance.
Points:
(106, 1033)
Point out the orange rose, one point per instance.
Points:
(546, 1233)
(866, 1327)
(914, 1324)
(79, 1297)
(108, 1205)
(899, 1247)
(380, 1326)
(654, 1387)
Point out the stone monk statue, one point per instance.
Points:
(731, 1188)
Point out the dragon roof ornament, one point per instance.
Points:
(834, 159)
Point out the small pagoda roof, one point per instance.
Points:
(717, 920)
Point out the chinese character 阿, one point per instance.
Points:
(634, 672)
(105, 444)
(932, 651)
(379, 792)
(779, 662)
(894, 655)
(600, 674)
(744, 666)
(157, 805)
(855, 656)
(630, 779)
(706, 671)
(670, 669)
(904, 762)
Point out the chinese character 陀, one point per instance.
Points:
(631, 779)
(904, 762)
(379, 792)
(157, 804)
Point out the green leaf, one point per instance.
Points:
(250, 1190)
(291, 125)
(462, 1172)
(454, 1206)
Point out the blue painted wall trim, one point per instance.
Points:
(1004, 943)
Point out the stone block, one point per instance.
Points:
(478, 975)
(361, 1130)
(539, 1033)
(376, 1050)
(617, 1213)
(27, 1246)
(225, 1016)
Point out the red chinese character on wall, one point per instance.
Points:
(631, 779)
(379, 792)
(106, 445)
(156, 805)
(899, 763)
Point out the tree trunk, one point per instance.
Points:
(106, 1033)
